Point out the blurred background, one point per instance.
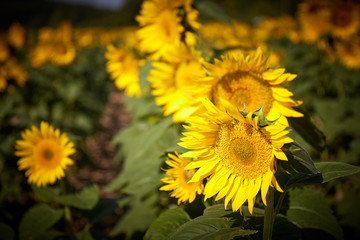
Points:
(75, 93)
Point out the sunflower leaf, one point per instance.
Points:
(298, 170)
(309, 209)
(86, 198)
(209, 228)
(308, 131)
(333, 170)
(37, 220)
(287, 181)
(284, 229)
(166, 224)
(298, 159)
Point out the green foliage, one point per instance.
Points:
(298, 170)
(86, 198)
(166, 224)
(215, 223)
(309, 209)
(7, 233)
(333, 170)
(37, 220)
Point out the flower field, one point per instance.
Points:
(181, 119)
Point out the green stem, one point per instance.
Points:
(279, 202)
(269, 215)
(67, 212)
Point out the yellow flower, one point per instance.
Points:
(44, 154)
(237, 156)
(4, 51)
(348, 52)
(150, 9)
(246, 81)
(161, 36)
(177, 180)
(344, 19)
(314, 19)
(3, 79)
(84, 38)
(123, 66)
(16, 35)
(40, 54)
(16, 71)
(191, 15)
(62, 53)
(172, 82)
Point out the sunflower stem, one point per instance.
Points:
(269, 217)
(67, 212)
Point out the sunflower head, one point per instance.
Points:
(16, 35)
(177, 180)
(314, 19)
(237, 153)
(348, 52)
(62, 53)
(173, 82)
(44, 154)
(247, 80)
(344, 19)
(123, 66)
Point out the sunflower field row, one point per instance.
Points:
(193, 124)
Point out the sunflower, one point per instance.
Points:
(16, 35)
(150, 9)
(39, 54)
(162, 35)
(3, 79)
(172, 82)
(123, 66)
(246, 80)
(177, 180)
(4, 51)
(314, 19)
(44, 154)
(348, 52)
(62, 53)
(344, 19)
(16, 71)
(237, 156)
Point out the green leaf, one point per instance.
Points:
(284, 229)
(226, 234)
(143, 74)
(166, 224)
(37, 220)
(86, 198)
(138, 217)
(213, 10)
(308, 131)
(333, 170)
(298, 170)
(309, 209)
(209, 228)
(84, 235)
(7, 233)
(103, 208)
(298, 159)
(287, 181)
